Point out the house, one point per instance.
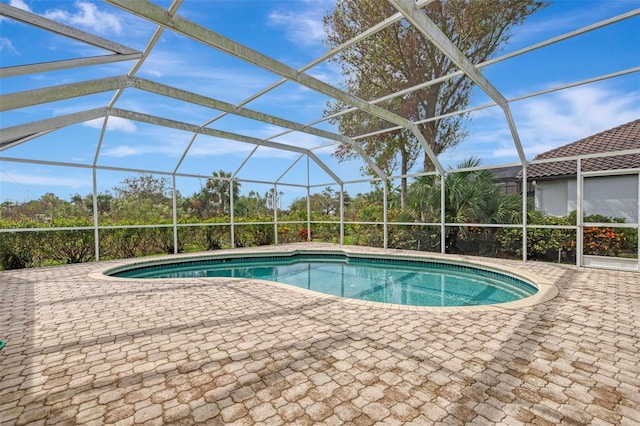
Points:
(610, 182)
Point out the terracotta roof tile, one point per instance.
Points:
(624, 137)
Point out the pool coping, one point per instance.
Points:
(546, 290)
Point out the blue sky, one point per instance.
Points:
(291, 32)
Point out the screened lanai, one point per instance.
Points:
(100, 97)
(140, 134)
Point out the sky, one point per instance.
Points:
(291, 32)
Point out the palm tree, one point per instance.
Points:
(470, 197)
(217, 192)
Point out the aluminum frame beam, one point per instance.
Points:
(12, 136)
(66, 64)
(65, 30)
(67, 91)
(157, 15)
(194, 98)
(376, 28)
(511, 100)
(165, 122)
(205, 101)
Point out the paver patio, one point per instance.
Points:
(82, 350)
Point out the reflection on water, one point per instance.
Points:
(440, 285)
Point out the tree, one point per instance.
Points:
(144, 187)
(326, 203)
(215, 197)
(254, 204)
(103, 199)
(144, 198)
(470, 197)
(273, 199)
(400, 57)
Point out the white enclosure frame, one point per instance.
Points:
(169, 19)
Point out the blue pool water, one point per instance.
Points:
(399, 281)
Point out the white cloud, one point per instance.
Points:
(89, 16)
(6, 45)
(196, 73)
(20, 4)
(31, 179)
(303, 26)
(158, 147)
(209, 147)
(123, 151)
(114, 123)
(552, 120)
(147, 140)
(574, 114)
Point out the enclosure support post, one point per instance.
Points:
(385, 214)
(638, 224)
(308, 202)
(341, 214)
(231, 215)
(525, 187)
(175, 215)
(443, 215)
(274, 199)
(579, 213)
(96, 237)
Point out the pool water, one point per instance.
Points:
(405, 282)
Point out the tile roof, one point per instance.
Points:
(621, 138)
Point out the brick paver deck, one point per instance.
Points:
(82, 350)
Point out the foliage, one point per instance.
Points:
(122, 243)
(325, 203)
(15, 252)
(162, 238)
(542, 244)
(34, 248)
(305, 234)
(255, 204)
(414, 237)
(70, 246)
(133, 224)
(609, 241)
(603, 241)
(469, 197)
(144, 187)
(327, 232)
(253, 234)
(216, 237)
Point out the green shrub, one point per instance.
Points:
(69, 246)
(255, 234)
(162, 239)
(122, 243)
(422, 238)
(14, 251)
(542, 244)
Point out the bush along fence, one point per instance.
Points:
(39, 246)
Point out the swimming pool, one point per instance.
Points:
(412, 282)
